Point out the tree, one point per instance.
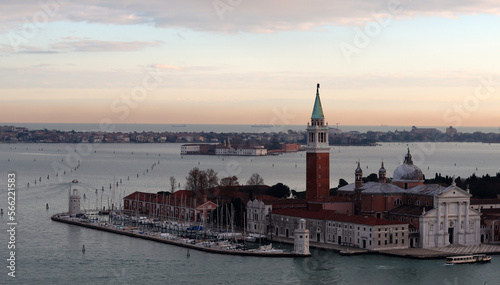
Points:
(274, 143)
(299, 195)
(371, 178)
(342, 183)
(196, 180)
(279, 190)
(227, 186)
(200, 180)
(173, 184)
(255, 179)
(229, 181)
(333, 191)
(211, 178)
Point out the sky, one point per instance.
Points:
(395, 62)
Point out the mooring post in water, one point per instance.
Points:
(83, 249)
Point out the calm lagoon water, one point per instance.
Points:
(50, 253)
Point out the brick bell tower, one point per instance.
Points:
(318, 154)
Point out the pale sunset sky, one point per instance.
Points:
(423, 63)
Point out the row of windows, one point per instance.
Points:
(402, 228)
(390, 236)
(396, 242)
(418, 203)
(339, 225)
(370, 235)
(364, 229)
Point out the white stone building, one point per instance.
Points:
(326, 226)
(190, 148)
(256, 219)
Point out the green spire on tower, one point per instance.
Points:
(317, 110)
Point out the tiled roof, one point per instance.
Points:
(184, 193)
(333, 216)
(389, 188)
(163, 199)
(409, 210)
(476, 201)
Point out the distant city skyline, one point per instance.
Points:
(250, 62)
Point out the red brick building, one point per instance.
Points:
(180, 207)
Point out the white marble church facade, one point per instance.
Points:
(451, 221)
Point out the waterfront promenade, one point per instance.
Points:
(420, 253)
(442, 252)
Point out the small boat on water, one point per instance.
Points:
(476, 258)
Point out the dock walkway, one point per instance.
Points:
(442, 252)
(420, 253)
(347, 250)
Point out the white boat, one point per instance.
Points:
(254, 237)
(268, 248)
(476, 258)
(229, 236)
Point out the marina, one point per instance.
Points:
(220, 247)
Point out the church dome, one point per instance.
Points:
(408, 171)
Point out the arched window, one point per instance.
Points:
(418, 203)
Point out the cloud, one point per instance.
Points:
(256, 16)
(43, 65)
(71, 38)
(166, 66)
(38, 52)
(83, 45)
(103, 46)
